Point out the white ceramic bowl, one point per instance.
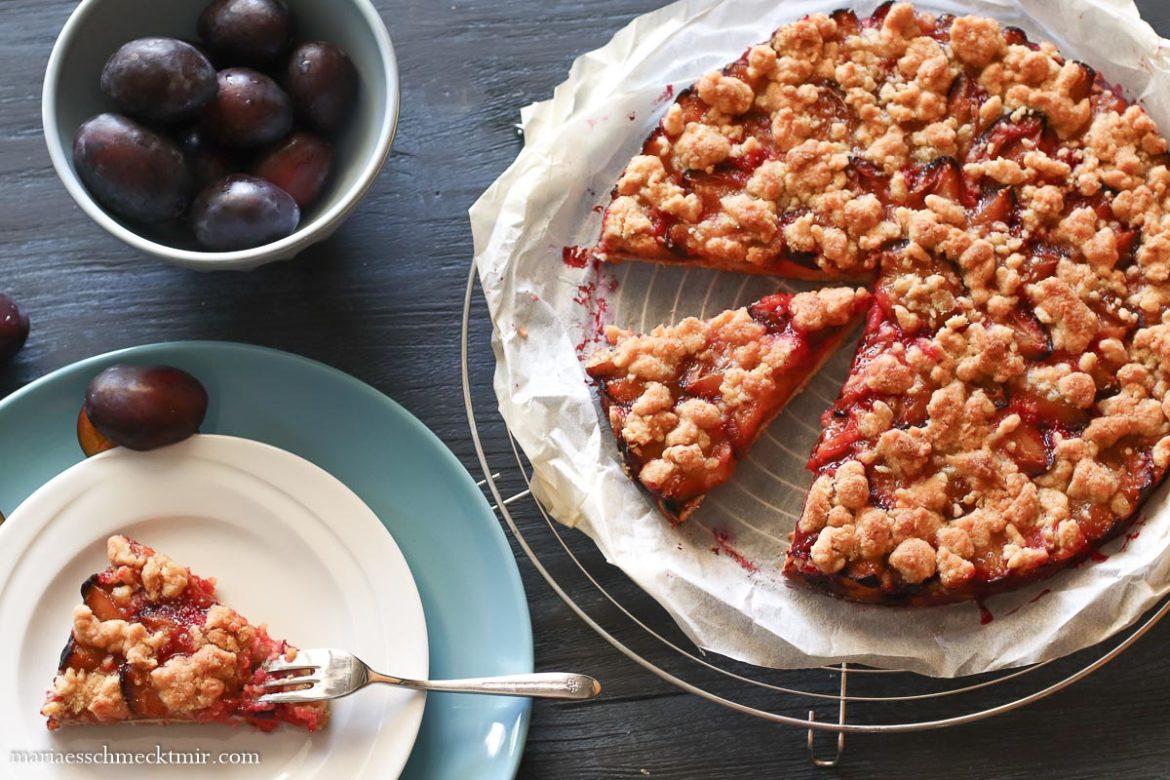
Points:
(97, 28)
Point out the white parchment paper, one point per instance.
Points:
(719, 574)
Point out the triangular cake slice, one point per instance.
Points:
(150, 643)
(687, 401)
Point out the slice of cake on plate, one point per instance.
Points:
(150, 643)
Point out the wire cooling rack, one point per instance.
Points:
(837, 700)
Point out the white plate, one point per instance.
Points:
(288, 545)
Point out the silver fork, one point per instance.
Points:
(331, 674)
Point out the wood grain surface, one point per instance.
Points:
(382, 300)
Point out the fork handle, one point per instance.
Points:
(547, 685)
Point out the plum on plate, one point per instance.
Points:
(159, 79)
(145, 407)
(241, 212)
(13, 328)
(130, 169)
(249, 109)
(246, 32)
(299, 166)
(322, 82)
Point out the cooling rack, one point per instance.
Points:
(831, 700)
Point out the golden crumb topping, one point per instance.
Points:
(78, 693)
(826, 308)
(159, 576)
(228, 630)
(187, 683)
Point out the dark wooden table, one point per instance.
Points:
(382, 301)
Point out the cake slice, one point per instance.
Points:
(686, 402)
(151, 643)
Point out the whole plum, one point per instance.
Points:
(130, 169)
(240, 212)
(299, 166)
(159, 79)
(145, 407)
(322, 82)
(13, 328)
(249, 109)
(246, 32)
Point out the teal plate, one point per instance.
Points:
(477, 614)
